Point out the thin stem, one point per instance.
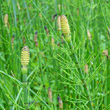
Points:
(83, 81)
(25, 91)
(24, 71)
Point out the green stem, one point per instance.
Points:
(25, 89)
(24, 71)
(84, 83)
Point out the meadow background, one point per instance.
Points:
(76, 77)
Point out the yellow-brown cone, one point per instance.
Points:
(59, 23)
(50, 94)
(65, 28)
(64, 25)
(6, 19)
(25, 56)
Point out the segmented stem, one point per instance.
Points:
(24, 63)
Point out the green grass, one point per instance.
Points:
(59, 67)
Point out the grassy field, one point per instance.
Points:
(60, 75)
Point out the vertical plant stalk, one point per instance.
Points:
(67, 35)
(24, 63)
(25, 90)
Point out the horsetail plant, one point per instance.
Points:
(67, 34)
(24, 62)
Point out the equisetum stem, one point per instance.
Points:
(84, 83)
(25, 88)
